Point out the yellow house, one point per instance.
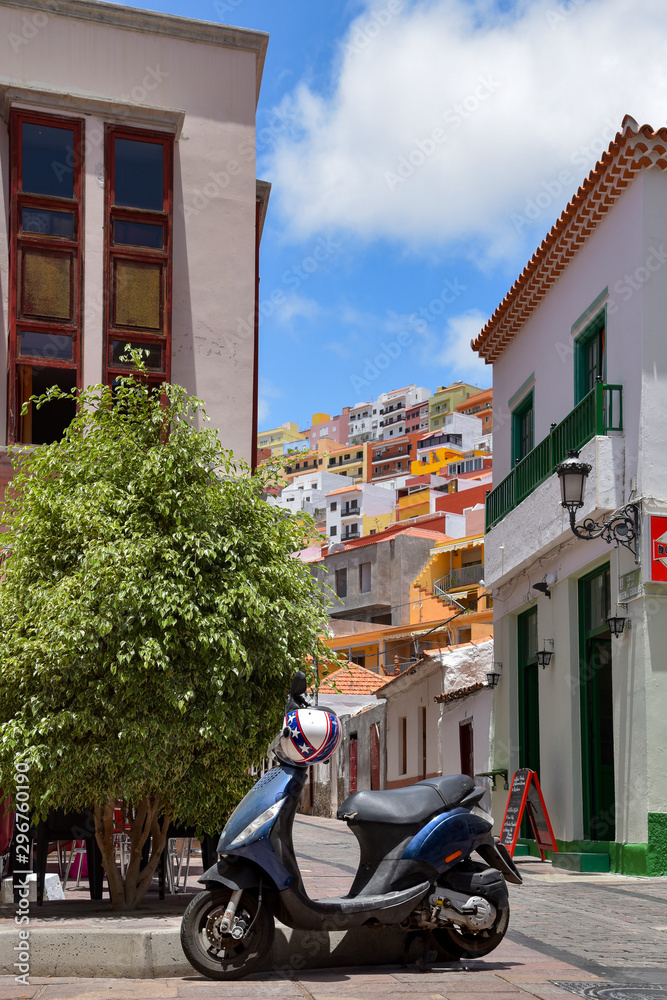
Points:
(453, 578)
(445, 400)
(414, 505)
(279, 438)
(440, 458)
(373, 523)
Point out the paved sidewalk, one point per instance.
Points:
(582, 930)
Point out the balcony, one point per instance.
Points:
(350, 510)
(598, 413)
(466, 576)
(350, 532)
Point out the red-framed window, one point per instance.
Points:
(46, 271)
(139, 203)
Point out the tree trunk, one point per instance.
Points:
(128, 892)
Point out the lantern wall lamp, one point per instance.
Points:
(623, 525)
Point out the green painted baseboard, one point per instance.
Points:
(644, 860)
(574, 862)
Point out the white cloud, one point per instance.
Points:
(267, 393)
(455, 354)
(517, 99)
(293, 305)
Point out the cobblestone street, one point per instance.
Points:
(579, 930)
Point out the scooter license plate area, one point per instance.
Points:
(447, 839)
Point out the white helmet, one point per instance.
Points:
(310, 735)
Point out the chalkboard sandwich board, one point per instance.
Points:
(526, 795)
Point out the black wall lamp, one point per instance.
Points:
(494, 676)
(617, 623)
(543, 588)
(623, 525)
(544, 655)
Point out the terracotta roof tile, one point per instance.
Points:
(344, 489)
(351, 679)
(632, 150)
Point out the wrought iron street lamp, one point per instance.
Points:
(492, 679)
(623, 525)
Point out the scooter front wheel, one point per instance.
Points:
(216, 954)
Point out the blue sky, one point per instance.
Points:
(419, 150)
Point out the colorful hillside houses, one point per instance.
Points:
(580, 360)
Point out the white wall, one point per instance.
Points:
(544, 344)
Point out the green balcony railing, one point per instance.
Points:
(599, 412)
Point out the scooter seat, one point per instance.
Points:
(412, 804)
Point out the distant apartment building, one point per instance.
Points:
(389, 411)
(326, 426)
(346, 507)
(392, 458)
(360, 428)
(349, 460)
(281, 440)
(371, 576)
(307, 492)
(446, 399)
(417, 418)
(456, 431)
(480, 405)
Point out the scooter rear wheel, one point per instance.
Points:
(473, 944)
(218, 955)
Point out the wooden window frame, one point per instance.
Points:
(18, 240)
(114, 252)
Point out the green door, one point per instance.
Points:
(597, 708)
(529, 699)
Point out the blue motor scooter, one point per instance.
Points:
(415, 871)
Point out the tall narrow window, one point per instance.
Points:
(523, 428)
(45, 271)
(341, 583)
(590, 362)
(138, 250)
(403, 745)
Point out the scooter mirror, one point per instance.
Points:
(299, 684)
(297, 690)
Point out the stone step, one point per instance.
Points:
(573, 862)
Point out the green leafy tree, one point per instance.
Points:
(151, 616)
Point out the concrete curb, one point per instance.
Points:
(147, 953)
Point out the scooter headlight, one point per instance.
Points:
(253, 827)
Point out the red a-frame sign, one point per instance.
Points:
(526, 794)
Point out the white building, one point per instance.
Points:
(130, 209)
(460, 431)
(389, 411)
(308, 492)
(347, 506)
(360, 427)
(580, 361)
(439, 715)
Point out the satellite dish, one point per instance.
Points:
(336, 547)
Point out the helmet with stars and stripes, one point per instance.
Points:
(310, 735)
